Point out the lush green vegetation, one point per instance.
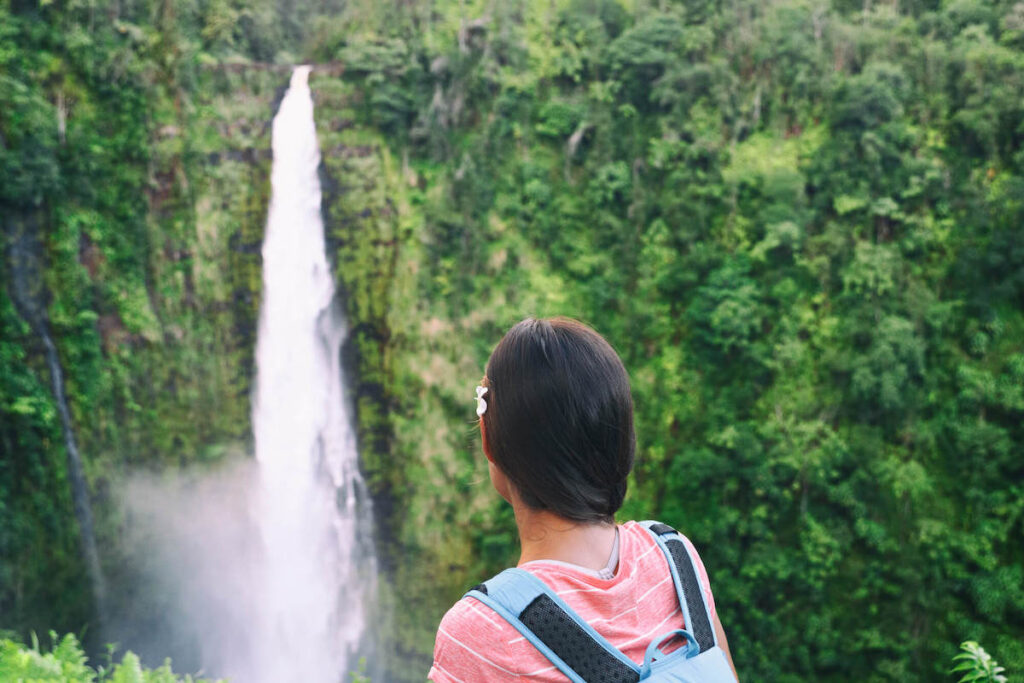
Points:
(67, 662)
(800, 225)
(799, 222)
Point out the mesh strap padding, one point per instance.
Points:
(567, 639)
(700, 626)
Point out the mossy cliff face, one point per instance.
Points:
(412, 375)
(364, 241)
(134, 166)
(150, 283)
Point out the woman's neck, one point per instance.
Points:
(546, 536)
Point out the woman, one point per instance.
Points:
(556, 421)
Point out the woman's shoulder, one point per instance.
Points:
(645, 543)
(468, 622)
(645, 538)
(468, 616)
(475, 643)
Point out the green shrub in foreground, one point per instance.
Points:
(977, 665)
(66, 661)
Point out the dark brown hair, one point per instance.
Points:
(559, 419)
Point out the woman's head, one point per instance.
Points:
(559, 419)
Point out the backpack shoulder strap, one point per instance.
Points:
(551, 626)
(696, 613)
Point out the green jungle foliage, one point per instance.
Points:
(66, 662)
(799, 222)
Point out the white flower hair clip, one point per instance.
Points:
(481, 404)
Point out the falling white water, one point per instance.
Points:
(309, 607)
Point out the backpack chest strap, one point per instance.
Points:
(551, 626)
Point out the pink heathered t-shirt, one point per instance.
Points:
(632, 608)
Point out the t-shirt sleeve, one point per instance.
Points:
(468, 646)
(705, 582)
(439, 674)
(445, 660)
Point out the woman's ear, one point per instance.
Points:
(483, 440)
(499, 481)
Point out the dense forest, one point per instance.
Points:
(800, 222)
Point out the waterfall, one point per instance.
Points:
(29, 294)
(262, 570)
(79, 489)
(312, 510)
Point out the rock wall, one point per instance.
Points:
(152, 298)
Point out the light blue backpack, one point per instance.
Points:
(583, 655)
